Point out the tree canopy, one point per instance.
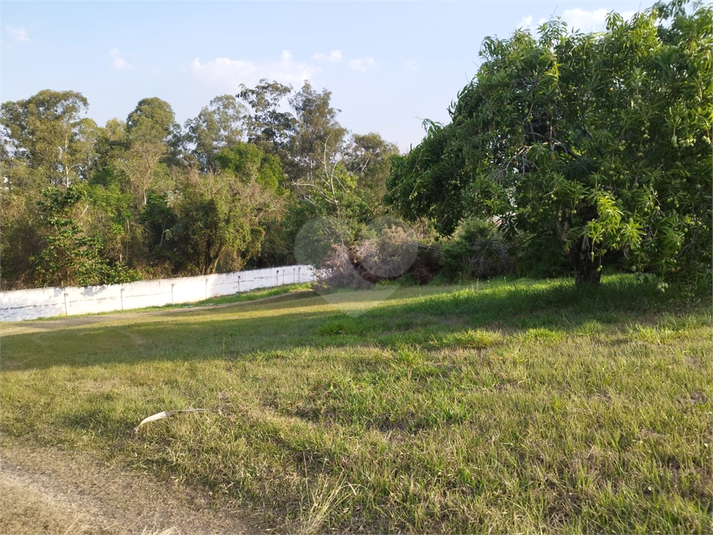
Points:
(597, 145)
(147, 197)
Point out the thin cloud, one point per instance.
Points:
(577, 19)
(527, 24)
(585, 21)
(335, 56)
(118, 63)
(230, 73)
(412, 65)
(361, 64)
(590, 21)
(18, 34)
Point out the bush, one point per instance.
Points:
(388, 255)
(477, 251)
(384, 253)
(339, 270)
(427, 265)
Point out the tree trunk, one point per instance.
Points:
(586, 270)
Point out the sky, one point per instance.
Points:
(388, 65)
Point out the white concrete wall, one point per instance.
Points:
(47, 302)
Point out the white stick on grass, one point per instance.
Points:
(162, 415)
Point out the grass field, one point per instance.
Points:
(247, 296)
(524, 406)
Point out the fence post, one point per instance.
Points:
(66, 304)
(122, 299)
(277, 277)
(173, 296)
(206, 288)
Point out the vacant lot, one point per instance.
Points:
(500, 407)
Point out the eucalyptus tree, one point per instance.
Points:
(46, 140)
(596, 142)
(221, 124)
(149, 128)
(368, 158)
(269, 125)
(318, 137)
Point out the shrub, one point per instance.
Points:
(477, 251)
(381, 254)
(339, 270)
(388, 255)
(427, 265)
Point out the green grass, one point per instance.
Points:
(243, 297)
(255, 294)
(525, 406)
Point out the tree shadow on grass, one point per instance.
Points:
(307, 323)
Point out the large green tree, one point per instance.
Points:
(247, 161)
(595, 143)
(219, 125)
(149, 127)
(318, 135)
(45, 140)
(268, 124)
(368, 158)
(215, 221)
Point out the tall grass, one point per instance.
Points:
(510, 406)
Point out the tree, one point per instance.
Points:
(267, 126)
(45, 140)
(111, 143)
(318, 136)
(248, 162)
(20, 238)
(110, 211)
(151, 121)
(368, 158)
(214, 222)
(219, 125)
(71, 255)
(595, 142)
(148, 129)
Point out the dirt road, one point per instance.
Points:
(50, 491)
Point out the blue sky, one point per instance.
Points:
(388, 65)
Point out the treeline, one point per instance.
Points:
(146, 197)
(567, 153)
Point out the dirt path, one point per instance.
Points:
(50, 491)
(131, 316)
